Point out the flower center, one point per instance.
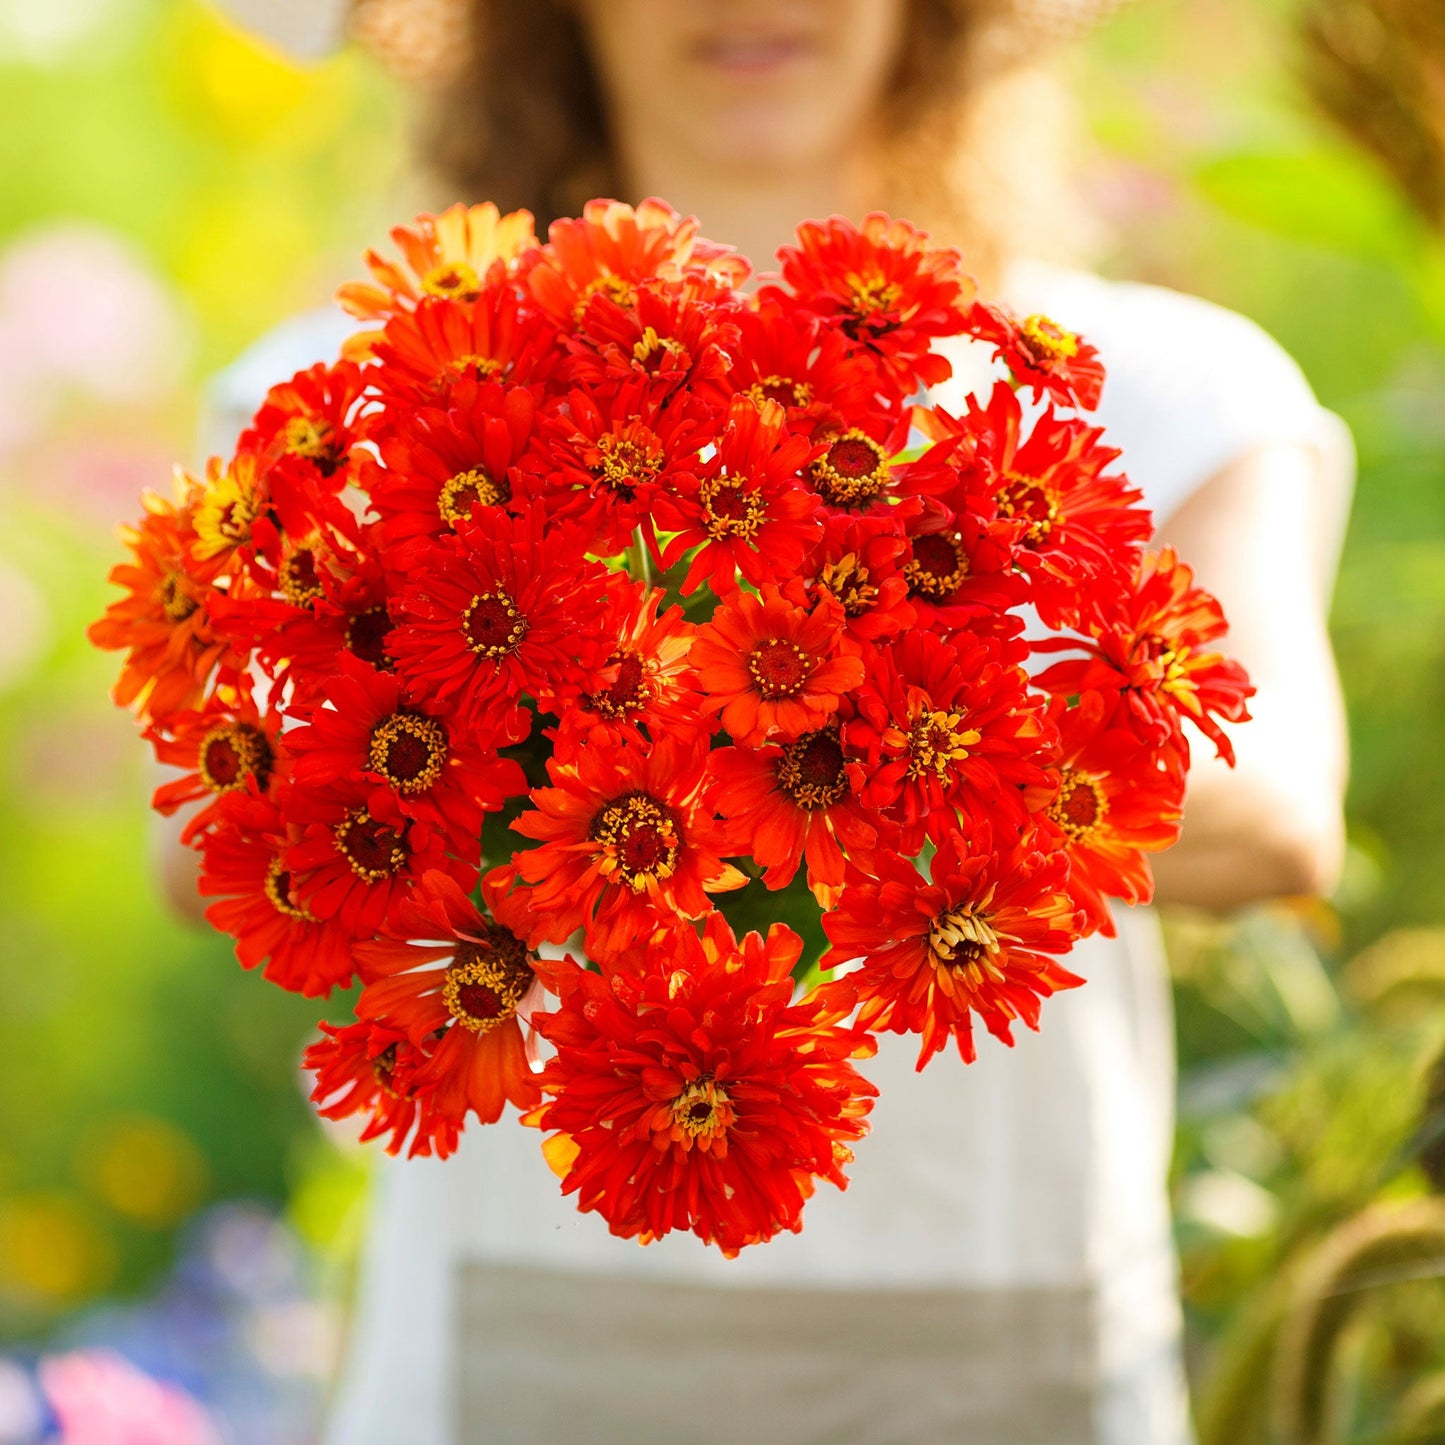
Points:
(375, 850)
(225, 517)
(703, 1109)
(1080, 806)
(779, 667)
(871, 298)
(623, 461)
(652, 350)
(811, 772)
(315, 439)
(613, 287)
(469, 489)
(454, 279)
(936, 741)
(383, 1070)
(298, 580)
(847, 580)
(641, 839)
(938, 566)
(1046, 342)
(278, 892)
(1032, 499)
(852, 471)
(493, 625)
(961, 940)
(631, 690)
(176, 602)
(780, 389)
(731, 509)
(479, 368)
(487, 980)
(231, 753)
(366, 636)
(409, 751)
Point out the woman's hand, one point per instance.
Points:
(1263, 535)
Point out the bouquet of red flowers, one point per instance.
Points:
(590, 602)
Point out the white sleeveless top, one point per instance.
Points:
(1000, 1270)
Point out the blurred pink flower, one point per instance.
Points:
(80, 311)
(99, 1398)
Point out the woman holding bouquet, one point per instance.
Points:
(1000, 1269)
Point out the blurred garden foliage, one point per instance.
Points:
(168, 190)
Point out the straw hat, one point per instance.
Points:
(421, 40)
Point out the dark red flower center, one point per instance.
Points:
(1034, 501)
(779, 667)
(630, 690)
(231, 753)
(1080, 805)
(298, 580)
(493, 625)
(366, 636)
(375, 850)
(852, 472)
(278, 892)
(409, 751)
(938, 566)
(640, 837)
(703, 1109)
(780, 389)
(487, 979)
(811, 772)
(731, 508)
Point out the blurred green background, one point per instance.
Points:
(169, 189)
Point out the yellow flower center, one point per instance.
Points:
(454, 279)
(622, 463)
(780, 389)
(1047, 340)
(1080, 806)
(852, 472)
(962, 941)
(847, 580)
(811, 772)
(298, 580)
(409, 751)
(1034, 500)
(493, 625)
(703, 1109)
(231, 753)
(936, 741)
(652, 349)
(640, 839)
(278, 892)
(938, 566)
(779, 667)
(373, 849)
(730, 508)
(468, 489)
(487, 981)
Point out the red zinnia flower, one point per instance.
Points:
(890, 290)
(744, 510)
(628, 845)
(1152, 655)
(466, 1011)
(974, 940)
(1041, 354)
(366, 734)
(499, 609)
(311, 420)
(244, 866)
(946, 727)
(700, 1096)
(859, 564)
(440, 465)
(768, 666)
(790, 801)
(226, 747)
(1116, 801)
(364, 1069)
(646, 681)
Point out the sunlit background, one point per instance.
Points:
(176, 1232)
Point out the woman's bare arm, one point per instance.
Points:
(1262, 535)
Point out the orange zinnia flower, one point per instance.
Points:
(449, 256)
(972, 940)
(628, 844)
(697, 1095)
(767, 666)
(467, 1010)
(162, 623)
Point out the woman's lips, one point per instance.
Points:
(753, 55)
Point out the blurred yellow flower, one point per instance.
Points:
(52, 1251)
(144, 1168)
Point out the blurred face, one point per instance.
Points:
(745, 83)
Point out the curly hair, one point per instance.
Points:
(968, 125)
